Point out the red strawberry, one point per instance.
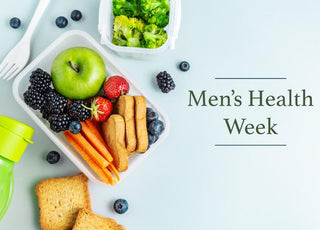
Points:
(115, 86)
(101, 109)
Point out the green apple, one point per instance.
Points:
(78, 73)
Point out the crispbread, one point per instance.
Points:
(60, 200)
(140, 106)
(125, 107)
(113, 132)
(87, 220)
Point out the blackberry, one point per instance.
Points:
(40, 79)
(59, 122)
(45, 114)
(34, 98)
(78, 111)
(165, 82)
(54, 102)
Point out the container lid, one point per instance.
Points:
(14, 138)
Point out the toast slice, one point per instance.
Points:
(125, 107)
(87, 220)
(140, 107)
(60, 200)
(113, 132)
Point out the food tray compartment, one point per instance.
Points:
(105, 28)
(44, 60)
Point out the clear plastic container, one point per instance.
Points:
(44, 61)
(105, 28)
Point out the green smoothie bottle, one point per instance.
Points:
(14, 138)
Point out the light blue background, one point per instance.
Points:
(188, 183)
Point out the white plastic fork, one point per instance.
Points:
(18, 57)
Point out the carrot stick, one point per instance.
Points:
(94, 129)
(90, 131)
(86, 157)
(109, 175)
(90, 150)
(114, 171)
(96, 124)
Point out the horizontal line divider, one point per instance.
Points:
(250, 78)
(248, 145)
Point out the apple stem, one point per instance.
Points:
(73, 67)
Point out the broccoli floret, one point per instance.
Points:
(154, 36)
(128, 8)
(155, 11)
(127, 31)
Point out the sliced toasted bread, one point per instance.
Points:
(140, 107)
(125, 107)
(87, 220)
(113, 132)
(60, 200)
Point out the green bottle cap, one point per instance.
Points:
(14, 138)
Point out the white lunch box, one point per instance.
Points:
(44, 61)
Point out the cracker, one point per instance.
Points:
(60, 200)
(125, 107)
(113, 132)
(87, 220)
(141, 124)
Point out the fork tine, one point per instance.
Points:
(3, 65)
(6, 70)
(11, 73)
(16, 72)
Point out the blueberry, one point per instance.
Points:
(76, 15)
(152, 138)
(120, 206)
(149, 110)
(152, 116)
(53, 157)
(156, 127)
(75, 127)
(184, 66)
(61, 22)
(15, 22)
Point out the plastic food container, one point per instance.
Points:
(44, 61)
(105, 28)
